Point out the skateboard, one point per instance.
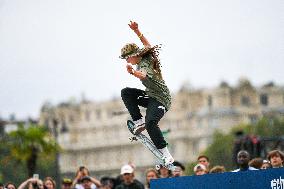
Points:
(149, 145)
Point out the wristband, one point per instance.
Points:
(141, 35)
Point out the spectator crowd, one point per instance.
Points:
(126, 178)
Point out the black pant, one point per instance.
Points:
(133, 98)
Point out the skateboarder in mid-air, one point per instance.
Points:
(156, 98)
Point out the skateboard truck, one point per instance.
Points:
(133, 138)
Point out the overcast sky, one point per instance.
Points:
(51, 50)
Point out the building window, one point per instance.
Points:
(264, 99)
(209, 101)
(245, 101)
(64, 128)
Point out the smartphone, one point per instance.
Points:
(36, 176)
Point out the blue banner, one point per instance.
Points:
(260, 179)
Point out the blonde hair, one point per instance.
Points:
(51, 180)
(148, 171)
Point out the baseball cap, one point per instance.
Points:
(66, 181)
(199, 166)
(126, 169)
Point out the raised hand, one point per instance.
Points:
(33, 180)
(129, 69)
(133, 26)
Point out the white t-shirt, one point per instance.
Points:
(249, 169)
(79, 186)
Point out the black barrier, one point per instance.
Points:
(260, 179)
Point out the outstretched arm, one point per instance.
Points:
(76, 179)
(27, 182)
(134, 27)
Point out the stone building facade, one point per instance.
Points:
(95, 134)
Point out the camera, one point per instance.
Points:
(35, 186)
(36, 176)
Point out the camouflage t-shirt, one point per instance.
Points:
(155, 87)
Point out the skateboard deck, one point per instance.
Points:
(149, 145)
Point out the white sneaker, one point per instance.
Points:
(168, 160)
(167, 157)
(139, 126)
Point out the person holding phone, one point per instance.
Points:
(82, 172)
(32, 183)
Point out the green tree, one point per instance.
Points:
(220, 151)
(267, 127)
(28, 144)
(189, 168)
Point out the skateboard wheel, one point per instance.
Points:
(158, 167)
(132, 138)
